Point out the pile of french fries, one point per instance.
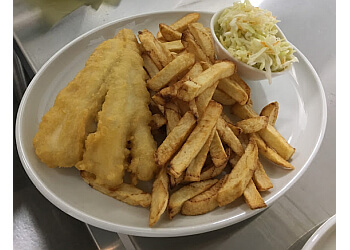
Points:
(205, 160)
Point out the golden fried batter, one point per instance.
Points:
(59, 141)
(110, 89)
(124, 117)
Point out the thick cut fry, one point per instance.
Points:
(169, 33)
(234, 90)
(193, 171)
(223, 98)
(252, 196)
(237, 79)
(270, 135)
(174, 46)
(204, 202)
(227, 135)
(213, 171)
(240, 175)
(160, 196)
(271, 111)
(260, 178)
(203, 99)
(243, 111)
(149, 65)
(254, 124)
(181, 24)
(193, 72)
(236, 130)
(175, 139)
(168, 93)
(171, 71)
(204, 39)
(159, 54)
(172, 115)
(124, 192)
(132, 195)
(174, 181)
(157, 121)
(270, 153)
(185, 193)
(196, 140)
(191, 46)
(192, 88)
(276, 141)
(217, 151)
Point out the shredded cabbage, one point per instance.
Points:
(249, 34)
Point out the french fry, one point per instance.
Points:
(168, 93)
(172, 115)
(204, 39)
(191, 46)
(193, 107)
(223, 98)
(260, 178)
(252, 196)
(132, 195)
(276, 141)
(174, 46)
(254, 124)
(203, 202)
(240, 175)
(157, 52)
(235, 129)
(157, 121)
(227, 135)
(234, 90)
(270, 153)
(149, 65)
(243, 111)
(270, 135)
(178, 198)
(171, 71)
(196, 139)
(181, 24)
(160, 196)
(193, 72)
(175, 139)
(169, 33)
(217, 151)
(213, 171)
(174, 181)
(271, 111)
(204, 98)
(237, 79)
(193, 171)
(126, 193)
(192, 88)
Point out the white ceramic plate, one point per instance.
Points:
(302, 121)
(324, 238)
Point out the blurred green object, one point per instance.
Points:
(54, 10)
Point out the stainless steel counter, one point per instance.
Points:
(309, 25)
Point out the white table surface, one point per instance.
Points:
(310, 26)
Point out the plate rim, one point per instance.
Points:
(153, 232)
(321, 231)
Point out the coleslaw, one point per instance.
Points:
(251, 36)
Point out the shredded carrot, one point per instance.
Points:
(275, 43)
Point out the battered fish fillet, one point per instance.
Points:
(63, 129)
(124, 118)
